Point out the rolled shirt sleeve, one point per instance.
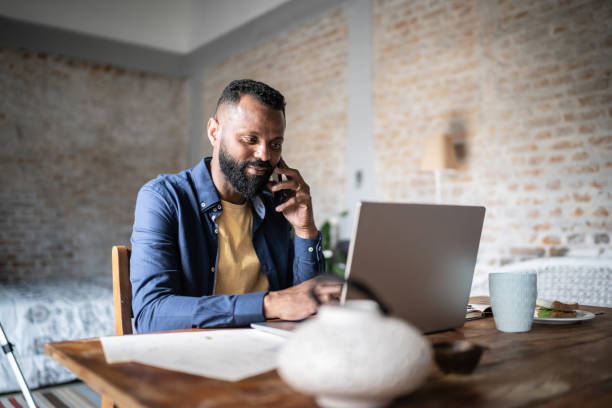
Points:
(308, 260)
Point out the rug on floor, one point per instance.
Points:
(72, 395)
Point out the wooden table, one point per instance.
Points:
(551, 366)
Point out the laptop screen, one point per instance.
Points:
(418, 258)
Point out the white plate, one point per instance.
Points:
(581, 315)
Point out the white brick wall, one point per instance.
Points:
(523, 88)
(77, 142)
(308, 66)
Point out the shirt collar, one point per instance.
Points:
(207, 193)
(259, 206)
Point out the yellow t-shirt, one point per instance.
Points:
(238, 268)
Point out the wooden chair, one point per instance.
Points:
(122, 298)
(122, 290)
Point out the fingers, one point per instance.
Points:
(282, 163)
(329, 299)
(296, 302)
(328, 289)
(290, 173)
(286, 171)
(296, 204)
(284, 185)
(293, 201)
(281, 207)
(328, 293)
(294, 182)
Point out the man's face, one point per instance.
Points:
(248, 144)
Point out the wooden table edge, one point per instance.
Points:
(55, 351)
(96, 382)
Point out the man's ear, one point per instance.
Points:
(212, 129)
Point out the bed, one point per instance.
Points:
(51, 309)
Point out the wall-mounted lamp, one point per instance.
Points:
(438, 155)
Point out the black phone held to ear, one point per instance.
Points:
(280, 196)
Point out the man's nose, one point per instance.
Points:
(262, 153)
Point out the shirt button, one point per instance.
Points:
(310, 249)
(216, 230)
(219, 207)
(212, 269)
(202, 204)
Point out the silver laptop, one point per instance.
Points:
(418, 259)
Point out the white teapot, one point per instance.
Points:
(354, 356)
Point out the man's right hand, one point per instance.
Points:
(296, 303)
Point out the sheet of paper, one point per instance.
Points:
(229, 355)
(478, 306)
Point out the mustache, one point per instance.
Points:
(258, 163)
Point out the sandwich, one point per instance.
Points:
(555, 309)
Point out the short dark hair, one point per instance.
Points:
(265, 94)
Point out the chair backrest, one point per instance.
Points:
(122, 290)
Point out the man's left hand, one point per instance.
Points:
(297, 209)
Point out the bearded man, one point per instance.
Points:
(219, 245)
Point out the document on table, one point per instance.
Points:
(229, 355)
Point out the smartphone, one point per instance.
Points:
(280, 196)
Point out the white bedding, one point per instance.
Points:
(52, 309)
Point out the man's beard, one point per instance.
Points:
(247, 185)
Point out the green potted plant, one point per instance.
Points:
(335, 260)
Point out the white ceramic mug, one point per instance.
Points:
(513, 299)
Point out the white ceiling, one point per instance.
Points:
(171, 25)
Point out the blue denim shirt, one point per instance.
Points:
(173, 268)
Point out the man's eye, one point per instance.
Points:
(250, 140)
(276, 146)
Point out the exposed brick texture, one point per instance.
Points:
(77, 140)
(308, 65)
(523, 89)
